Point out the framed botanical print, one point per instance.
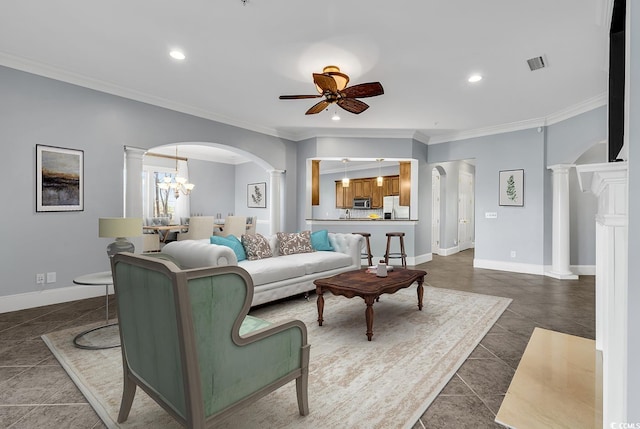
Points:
(511, 188)
(59, 179)
(257, 195)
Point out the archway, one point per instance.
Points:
(133, 179)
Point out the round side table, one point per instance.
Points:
(96, 279)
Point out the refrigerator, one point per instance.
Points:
(391, 208)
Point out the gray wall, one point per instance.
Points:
(516, 228)
(37, 110)
(215, 187)
(250, 173)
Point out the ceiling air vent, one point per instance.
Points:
(536, 63)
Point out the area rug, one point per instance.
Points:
(353, 383)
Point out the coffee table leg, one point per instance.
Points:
(320, 303)
(369, 300)
(420, 292)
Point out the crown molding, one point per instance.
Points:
(562, 115)
(488, 131)
(55, 73)
(51, 72)
(578, 109)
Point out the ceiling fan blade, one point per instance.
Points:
(317, 108)
(325, 83)
(352, 105)
(298, 97)
(363, 90)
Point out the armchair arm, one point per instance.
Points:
(200, 253)
(351, 244)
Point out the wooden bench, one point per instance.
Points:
(558, 384)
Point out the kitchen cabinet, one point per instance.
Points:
(344, 198)
(376, 194)
(361, 188)
(405, 183)
(366, 188)
(391, 185)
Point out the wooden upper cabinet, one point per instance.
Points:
(367, 188)
(339, 195)
(376, 194)
(315, 182)
(405, 183)
(391, 185)
(344, 199)
(358, 188)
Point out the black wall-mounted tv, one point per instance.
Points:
(616, 79)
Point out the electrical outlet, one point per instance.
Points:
(40, 278)
(51, 277)
(513, 253)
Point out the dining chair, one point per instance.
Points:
(251, 224)
(234, 225)
(199, 227)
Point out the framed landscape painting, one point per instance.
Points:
(59, 179)
(257, 195)
(512, 188)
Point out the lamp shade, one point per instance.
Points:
(115, 227)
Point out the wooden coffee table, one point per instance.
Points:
(369, 287)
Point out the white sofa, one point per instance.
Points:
(279, 276)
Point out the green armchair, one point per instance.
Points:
(188, 342)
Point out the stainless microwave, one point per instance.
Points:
(362, 203)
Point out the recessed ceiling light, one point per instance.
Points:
(474, 78)
(335, 117)
(178, 55)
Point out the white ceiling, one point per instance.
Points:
(240, 58)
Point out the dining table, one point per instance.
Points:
(163, 230)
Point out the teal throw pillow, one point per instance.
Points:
(231, 242)
(320, 240)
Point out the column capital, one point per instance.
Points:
(560, 168)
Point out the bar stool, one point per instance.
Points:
(366, 254)
(395, 255)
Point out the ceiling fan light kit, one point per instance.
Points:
(332, 85)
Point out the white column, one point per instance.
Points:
(133, 187)
(560, 247)
(608, 182)
(276, 200)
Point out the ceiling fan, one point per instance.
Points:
(332, 85)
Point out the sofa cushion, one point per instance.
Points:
(290, 243)
(270, 270)
(317, 262)
(232, 242)
(320, 240)
(256, 246)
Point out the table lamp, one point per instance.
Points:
(119, 228)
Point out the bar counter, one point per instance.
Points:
(377, 228)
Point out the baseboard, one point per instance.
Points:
(22, 301)
(514, 267)
(583, 270)
(420, 259)
(412, 261)
(449, 251)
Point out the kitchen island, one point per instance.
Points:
(377, 228)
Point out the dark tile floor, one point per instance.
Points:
(35, 392)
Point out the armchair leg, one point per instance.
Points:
(302, 382)
(128, 393)
(301, 390)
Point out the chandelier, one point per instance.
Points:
(178, 184)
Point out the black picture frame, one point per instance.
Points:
(511, 189)
(59, 179)
(257, 195)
